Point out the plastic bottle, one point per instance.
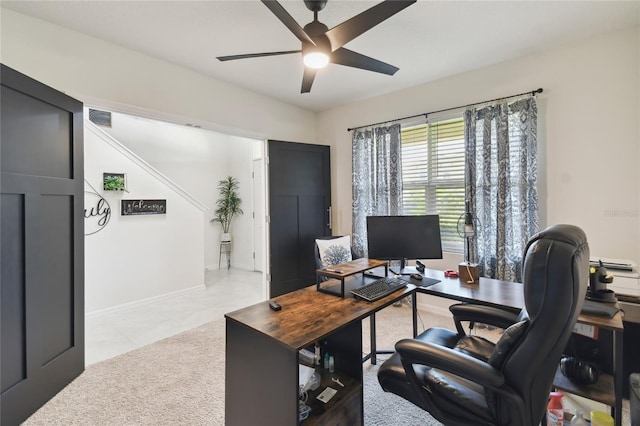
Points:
(578, 419)
(600, 418)
(317, 354)
(555, 411)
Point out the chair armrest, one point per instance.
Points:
(416, 352)
(482, 314)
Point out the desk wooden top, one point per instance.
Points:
(614, 323)
(308, 315)
(502, 294)
(350, 268)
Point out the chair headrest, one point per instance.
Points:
(555, 268)
(569, 234)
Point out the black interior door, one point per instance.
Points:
(299, 209)
(42, 252)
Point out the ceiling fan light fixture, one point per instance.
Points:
(316, 60)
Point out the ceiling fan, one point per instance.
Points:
(321, 45)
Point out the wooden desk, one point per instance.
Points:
(261, 356)
(509, 295)
(502, 294)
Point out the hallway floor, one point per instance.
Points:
(117, 332)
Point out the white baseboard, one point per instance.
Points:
(142, 302)
(214, 267)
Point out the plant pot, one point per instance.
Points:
(225, 237)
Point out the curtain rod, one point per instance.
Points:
(426, 114)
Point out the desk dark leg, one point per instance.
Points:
(414, 307)
(372, 322)
(617, 377)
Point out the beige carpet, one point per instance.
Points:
(180, 380)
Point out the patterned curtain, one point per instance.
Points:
(377, 179)
(501, 179)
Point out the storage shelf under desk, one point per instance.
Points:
(346, 401)
(601, 391)
(608, 388)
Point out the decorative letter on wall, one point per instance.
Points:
(97, 212)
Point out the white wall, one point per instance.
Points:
(118, 79)
(101, 73)
(588, 133)
(144, 256)
(588, 114)
(197, 160)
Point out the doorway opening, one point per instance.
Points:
(196, 159)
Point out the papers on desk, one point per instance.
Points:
(327, 394)
(590, 331)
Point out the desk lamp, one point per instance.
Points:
(469, 272)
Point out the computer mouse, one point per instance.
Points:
(416, 277)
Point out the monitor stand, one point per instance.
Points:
(404, 269)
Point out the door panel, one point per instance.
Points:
(31, 121)
(313, 219)
(55, 305)
(42, 252)
(13, 297)
(299, 198)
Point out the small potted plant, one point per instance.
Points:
(228, 205)
(114, 182)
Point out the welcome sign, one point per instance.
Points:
(136, 207)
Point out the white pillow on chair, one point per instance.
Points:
(335, 251)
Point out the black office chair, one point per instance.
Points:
(468, 380)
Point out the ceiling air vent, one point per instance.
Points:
(101, 118)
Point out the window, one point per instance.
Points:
(433, 175)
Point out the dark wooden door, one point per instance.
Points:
(299, 211)
(42, 252)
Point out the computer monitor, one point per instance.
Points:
(404, 238)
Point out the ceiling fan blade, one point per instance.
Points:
(280, 12)
(307, 79)
(350, 58)
(352, 28)
(256, 55)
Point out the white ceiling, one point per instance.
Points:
(429, 40)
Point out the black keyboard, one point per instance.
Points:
(378, 288)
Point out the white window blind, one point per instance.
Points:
(433, 175)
